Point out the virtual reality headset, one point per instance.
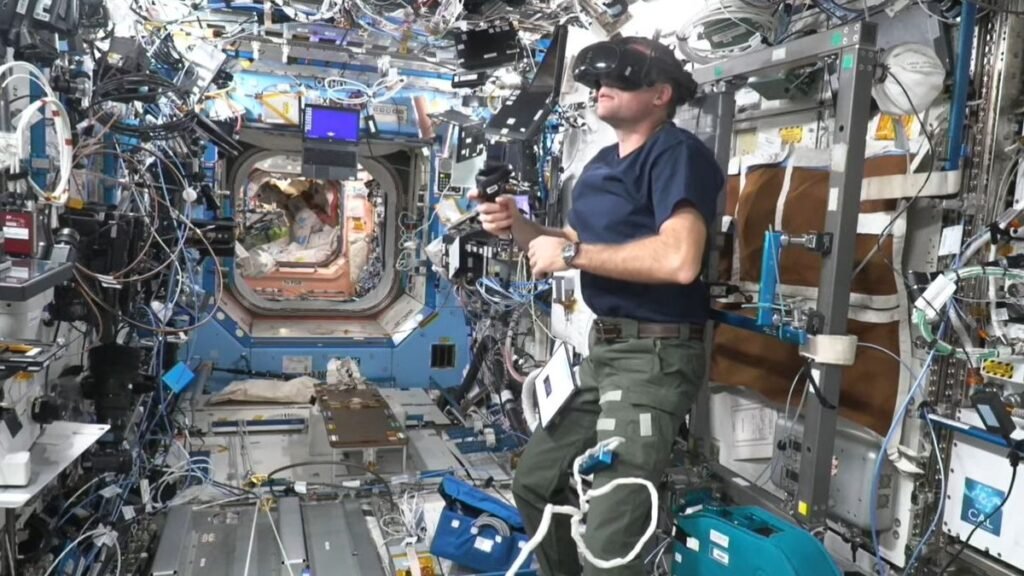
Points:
(619, 64)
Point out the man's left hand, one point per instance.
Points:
(546, 256)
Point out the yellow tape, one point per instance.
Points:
(886, 129)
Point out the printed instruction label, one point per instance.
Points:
(296, 364)
(720, 539)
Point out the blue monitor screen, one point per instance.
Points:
(331, 124)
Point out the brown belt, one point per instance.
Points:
(616, 329)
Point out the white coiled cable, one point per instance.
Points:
(577, 514)
(714, 13)
(380, 91)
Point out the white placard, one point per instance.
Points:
(12, 233)
(484, 545)
(720, 555)
(951, 240)
(296, 364)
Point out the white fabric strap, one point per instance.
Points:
(780, 206)
(907, 186)
(838, 350)
(874, 223)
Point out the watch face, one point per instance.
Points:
(569, 253)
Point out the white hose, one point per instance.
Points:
(997, 323)
(576, 514)
(62, 128)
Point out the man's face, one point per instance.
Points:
(627, 107)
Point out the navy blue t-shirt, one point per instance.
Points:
(619, 200)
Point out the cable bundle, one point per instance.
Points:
(725, 28)
(158, 96)
(61, 125)
(358, 94)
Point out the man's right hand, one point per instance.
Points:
(499, 216)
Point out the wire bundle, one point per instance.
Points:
(348, 91)
(61, 124)
(735, 26)
(161, 100)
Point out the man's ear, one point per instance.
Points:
(664, 94)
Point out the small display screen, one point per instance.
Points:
(331, 124)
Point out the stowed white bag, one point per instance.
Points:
(921, 74)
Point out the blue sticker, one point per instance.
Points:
(179, 377)
(980, 501)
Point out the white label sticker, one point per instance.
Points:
(693, 509)
(144, 491)
(327, 545)
(679, 558)
(839, 153)
(778, 54)
(693, 544)
(720, 555)
(1001, 314)
(13, 233)
(456, 523)
(720, 539)
(769, 143)
(741, 481)
(296, 364)
(110, 491)
(128, 512)
(951, 240)
(484, 544)
(645, 425)
(833, 199)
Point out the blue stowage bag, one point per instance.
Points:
(465, 534)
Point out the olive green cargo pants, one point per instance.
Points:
(639, 389)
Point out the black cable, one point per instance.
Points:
(903, 210)
(1014, 461)
(906, 207)
(348, 463)
(813, 383)
(235, 489)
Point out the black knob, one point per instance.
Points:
(45, 410)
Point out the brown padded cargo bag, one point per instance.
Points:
(768, 366)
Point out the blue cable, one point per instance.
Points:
(942, 500)
(883, 455)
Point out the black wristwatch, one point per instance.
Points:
(569, 252)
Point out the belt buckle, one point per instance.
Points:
(607, 331)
